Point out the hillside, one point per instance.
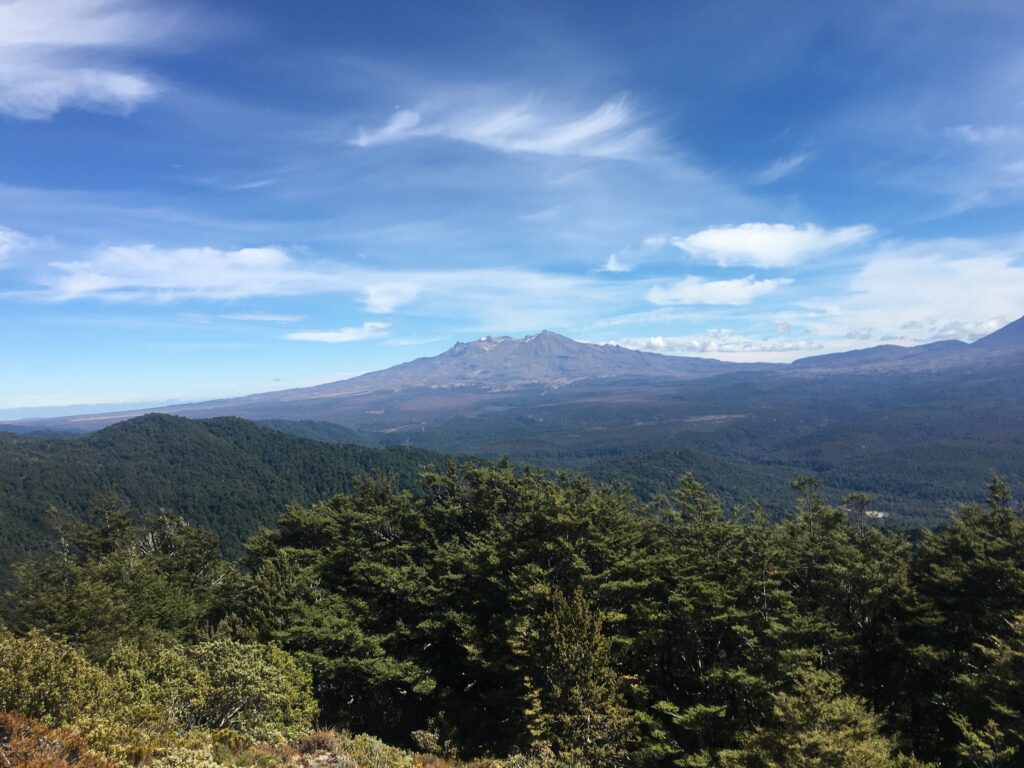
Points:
(920, 427)
(226, 474)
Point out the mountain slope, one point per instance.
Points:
(466, 374)
(921, 427)
(1009, 338)
(227, 474)
(546, 358)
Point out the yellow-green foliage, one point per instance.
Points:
(818, 725)
(53, 681)
(370, 752)
(49, 680)
(256, 690)
(149, 698)
(184, 757)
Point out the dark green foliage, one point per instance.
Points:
(111, 580)
(576, 707)
(995, 690)
(497, 610)
(815, 725)
(226, 474)
(970, 584)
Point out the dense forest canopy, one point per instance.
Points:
(495, 611)
(226, 474)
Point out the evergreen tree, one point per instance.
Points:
(970, 580)
(994, 736)
(815, 725)
(575, 704)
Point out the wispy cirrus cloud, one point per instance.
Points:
(984, 134)
(67, 55)
(614, 265)
(509, 298)
(262, 317)
(781, 168)
(11, 240)
(611, 130)
(362, 332)
(698, 290)
(767, 245)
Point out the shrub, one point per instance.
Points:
(49, 680)
(28, 743)
(258, 690)
(186, 758)
(318, 741)
(371, 752)
(53, 681)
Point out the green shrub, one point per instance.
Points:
(258, 690)
(53, 681)
(49, 680)
(371, 752)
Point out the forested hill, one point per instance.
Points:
(228, 474)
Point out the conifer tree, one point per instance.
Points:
(994, 737)
(816, 725)
(575, 705)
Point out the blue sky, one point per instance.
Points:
(208, 199)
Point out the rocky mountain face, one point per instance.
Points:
(546, 359)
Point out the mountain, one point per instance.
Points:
(546, 359)
(467, 375)
(1008, 339)
(890, 357)
(920, 427)
(227, 474)
(1003, 346)
(487, 374)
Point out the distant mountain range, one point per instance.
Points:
(920, 427)
(466, 372)
(477, 375)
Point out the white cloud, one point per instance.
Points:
(343, 335)
(614, 265)
(10, 241)
(697, 290)
(144, 272)
(911, 293)
(62, 53)
(509, 299)
(402, 126)
(784, 166)
(974, 134)
(767, 245)
(610, 130)
(725, 343)
(263, 317)
(386, 297)
(944, 289)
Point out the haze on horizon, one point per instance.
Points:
(201, 200)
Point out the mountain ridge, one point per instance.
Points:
(481, 374)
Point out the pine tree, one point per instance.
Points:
(994, 737)
(815, 725)
(575, 705)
